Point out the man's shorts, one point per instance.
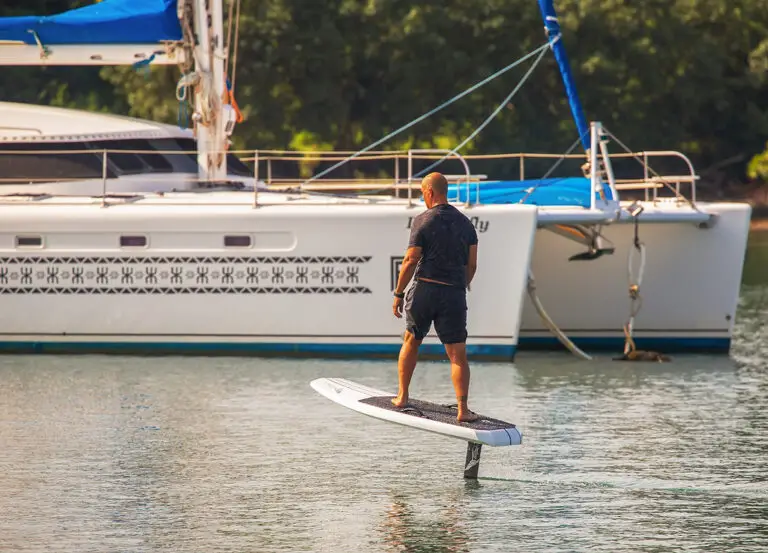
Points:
(446, 306)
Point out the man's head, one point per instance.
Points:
(434, 189)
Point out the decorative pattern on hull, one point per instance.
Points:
(165, 275)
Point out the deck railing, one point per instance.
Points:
(369, 181)
(648, 182)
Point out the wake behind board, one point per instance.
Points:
(424, 415)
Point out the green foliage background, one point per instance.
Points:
(690, 75)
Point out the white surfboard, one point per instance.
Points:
(424, 415)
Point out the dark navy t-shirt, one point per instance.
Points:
(444, 235)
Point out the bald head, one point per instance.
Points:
(437, 184)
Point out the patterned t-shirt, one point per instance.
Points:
(444, 235)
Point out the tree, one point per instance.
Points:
(339, 74)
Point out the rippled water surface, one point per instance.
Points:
(231, 455)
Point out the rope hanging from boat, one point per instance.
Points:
(186, 66)
(186, 17)
(635, 280)
(432, 111)
(229, 94)
(569, 345)
(202, 84)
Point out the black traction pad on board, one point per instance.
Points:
(437, 412)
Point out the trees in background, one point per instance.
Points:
(690, 75)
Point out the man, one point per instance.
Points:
(442, 259)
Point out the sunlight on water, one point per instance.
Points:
(751, 332)
(224, 455)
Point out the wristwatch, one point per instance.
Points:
(401, 296)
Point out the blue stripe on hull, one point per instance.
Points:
(389, 351)
(681, 344)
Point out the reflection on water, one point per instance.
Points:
(416, 526)
(756, 262)
(229, 455)
(123, 454)
(750, 346)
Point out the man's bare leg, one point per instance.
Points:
(406, 363)
(457, 353)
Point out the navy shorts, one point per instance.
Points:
(446, 306)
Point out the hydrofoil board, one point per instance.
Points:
(424, 415)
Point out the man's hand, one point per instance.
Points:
(408, 267)
(397, 308)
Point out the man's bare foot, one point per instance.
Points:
(400, 402)
(467, 416)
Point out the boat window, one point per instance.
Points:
(178, 155)
(234, 165)
(25, 163)
(133, 241)
(237, 241)
(137, 157)
(29, 241)
(237, 167)
(185, 161)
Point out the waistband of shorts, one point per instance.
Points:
(441, 285)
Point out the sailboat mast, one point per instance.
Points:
(553, 29)
(210, 60)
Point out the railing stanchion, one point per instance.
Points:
(255, 178)
(397, 176)
(645, 175)
(410, 177)
(103, 177)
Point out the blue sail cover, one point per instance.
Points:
(567, 191)
(108, 22)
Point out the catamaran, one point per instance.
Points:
(147, 237)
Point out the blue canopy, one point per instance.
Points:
(568, 191)
(108, 22)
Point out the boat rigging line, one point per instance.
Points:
(488, 119)
(445, 104)
(554, 166)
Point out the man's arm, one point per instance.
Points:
(412, 256)
(408, 267)
(472, 257)
(471, 263)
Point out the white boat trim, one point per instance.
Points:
(18, 53)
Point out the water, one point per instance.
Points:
(116, 454)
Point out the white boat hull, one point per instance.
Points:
(318, 279)
(17, 53)
(689, 291)
(173, 182)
